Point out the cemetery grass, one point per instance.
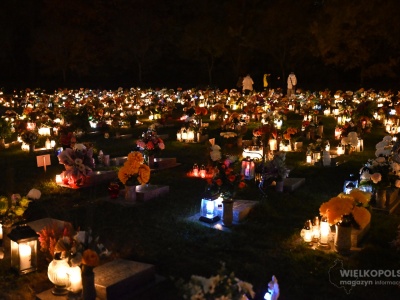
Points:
(157, 232)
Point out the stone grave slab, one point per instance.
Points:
(164, 163)
(358, 234)
(118, 161)
(392, 202)
(150, 191)
(122, 279)
(290, 184)
(97, 177)
(241, 209)
(163, 136)
(38, 225)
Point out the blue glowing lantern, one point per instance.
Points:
(209, 208)
(350, 184)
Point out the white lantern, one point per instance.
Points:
(309, 158)
(273, 146)
(24, 147)
(75, 279)
(179, 136)
(58, 274)
(340, 150)
(44, 131)
(306, 232)
(48, 144)
(209, 208)
(324, 232)
(360, 145)
(23, 249)
(58, 179)
(315, 229)
(190, 135)
(184, 135)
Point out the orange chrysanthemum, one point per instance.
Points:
(361, 215)
(90, 258)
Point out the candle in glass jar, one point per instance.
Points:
(24, 257)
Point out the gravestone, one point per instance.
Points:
(241, 209)
(290, 184)
(95, 178)
(150, 191)
(122, 279)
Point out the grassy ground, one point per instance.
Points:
(156, 232)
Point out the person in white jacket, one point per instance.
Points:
(291, 84)
(247, 84)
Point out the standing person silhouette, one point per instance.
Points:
(291, 85)
(247, 84)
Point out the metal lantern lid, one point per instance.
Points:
(208, 194)
(22, 233)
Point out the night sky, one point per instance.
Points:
(335, 44)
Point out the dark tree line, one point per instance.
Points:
(328, 43)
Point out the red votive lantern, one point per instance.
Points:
(195, 170)
(113, 190)
(203, 171)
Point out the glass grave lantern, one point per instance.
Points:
(350, 184)
(324, 231)
(315, 229)
(248, 168)
(24, 242)
(196, 170)
(58, 274)
(202, 171)
(209, 208)
(307, 232)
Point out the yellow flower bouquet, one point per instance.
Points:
(348, 208)
(13, 211)
(134, 171)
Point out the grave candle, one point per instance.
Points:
(75, 279)
(24, 257)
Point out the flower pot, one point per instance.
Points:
(380, 198)
(279, 186)
(31, 148)
(239, 142)
(113, 190)
(227, 212)
(150, 161)
(130, 192)
(88, 288)
(342, 240)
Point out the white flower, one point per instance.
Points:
(383, 151)
(345, 140)
(80, 237)
(397, 183)
(380, 160)
(34, 194)
(387, 138)
(381, 144)
(365, 175)
(215, 155)
(395, 167)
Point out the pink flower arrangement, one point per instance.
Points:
(150, 142)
